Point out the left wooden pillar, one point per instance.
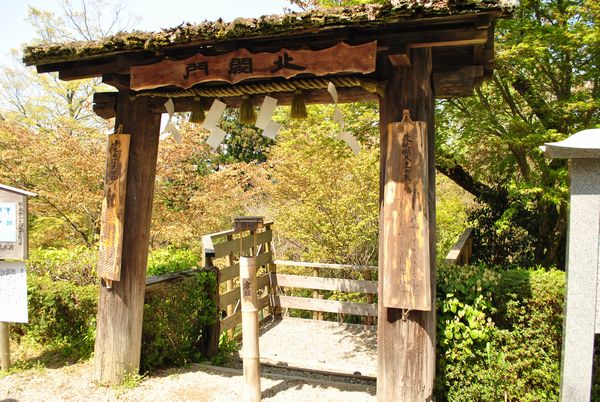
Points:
(120, 308)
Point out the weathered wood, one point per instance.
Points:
(406, 345)
(327, 306)
(233, 271)
(460, 253)
(241, 65)
(113, 207)
(233, 246)
(230, 297)
(231, 322)
(120, 308)
(262, 281)
(405, 259)
(104, 101)
(4, 346)
(458, 82)
(229, 288)
(324, 265)
(313, 282)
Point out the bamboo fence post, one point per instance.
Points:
(4, 346)
(250, 352)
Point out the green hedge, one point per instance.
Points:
(174, 319)
(63, 315)
(499, 334)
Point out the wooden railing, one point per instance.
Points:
(462, 251)
(222, 251)
(319, 282)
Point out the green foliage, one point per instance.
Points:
(546, 86)
(314, 196)
(76, 265)
(452, 204)
(175, 318)
(499, 334)
(171, 259)
(61, 314)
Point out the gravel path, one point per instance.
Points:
(194, 383)
(317, 345)
(320, 345)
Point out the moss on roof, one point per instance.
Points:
(266, 26)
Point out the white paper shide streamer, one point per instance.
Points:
(217, 134)
(170, 129)
(338, 117)
(264, 121)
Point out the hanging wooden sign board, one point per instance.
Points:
(113, 207)
(241, 64)
(405, 261)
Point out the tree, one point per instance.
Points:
(324, 198)
(545, 87)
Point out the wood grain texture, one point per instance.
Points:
(325, 265)
(286, 63)
(313, 282)
(120, 308)
(328, 306)
(233, 246)
(406, 348)
(461, 252)
(405, 259)
(113, 207)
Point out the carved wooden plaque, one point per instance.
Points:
(405, 260)
(241, 64)
(113, 207)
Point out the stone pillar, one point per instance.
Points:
(581, 304)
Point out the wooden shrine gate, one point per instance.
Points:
(402, 55)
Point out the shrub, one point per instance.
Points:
(76, 265)
(61, 314)
(175, 318)
(167, 260)
(499, 334)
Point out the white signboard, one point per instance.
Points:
(13, 292)
(8, 222)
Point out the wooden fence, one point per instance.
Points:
(462, 251)
(222, 251)
(319, 282)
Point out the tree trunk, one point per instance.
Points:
(120, 308)
(406, 347)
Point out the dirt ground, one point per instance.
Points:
(194, 383)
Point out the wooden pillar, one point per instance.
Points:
(406, 348)
(4, 346)
(120, 308)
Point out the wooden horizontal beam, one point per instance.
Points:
(104, 102)
(233, 271)
(327, 306)
(458, 82)
(324, 265)
(314, 282)
(231, 322)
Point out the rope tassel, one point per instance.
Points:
(298, 106)
(247, 114)
(197, 115)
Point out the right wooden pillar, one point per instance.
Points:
(406, 345)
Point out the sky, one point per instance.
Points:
(153, 15)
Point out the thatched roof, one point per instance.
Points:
(273, 26)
